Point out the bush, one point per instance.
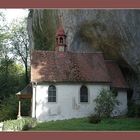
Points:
(105, 103)
(18, 125)
(9, 108)
(94, 119)
(133, 109)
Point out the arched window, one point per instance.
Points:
(83, 94)
(52, 93)
(61, 40)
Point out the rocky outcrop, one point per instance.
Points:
(115, 32)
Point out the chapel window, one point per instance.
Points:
(52, 93)
(83, 94)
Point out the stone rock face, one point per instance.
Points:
(115, 32)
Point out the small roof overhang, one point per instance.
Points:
(26, 93)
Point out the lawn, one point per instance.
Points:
(82, 124)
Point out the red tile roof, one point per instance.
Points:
(116, 76)
(68, 67)
(60, 31)
(51, 66)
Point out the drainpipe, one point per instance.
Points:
(34, 100)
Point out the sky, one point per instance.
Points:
(12, 14)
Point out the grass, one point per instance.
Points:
(82, 124)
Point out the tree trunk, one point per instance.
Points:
(26, 73)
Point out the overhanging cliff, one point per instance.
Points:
(115, 32)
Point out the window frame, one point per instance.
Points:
(52, 91)
(87, 94)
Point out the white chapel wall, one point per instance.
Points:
(67, 103)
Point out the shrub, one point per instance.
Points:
(133, 109)
(19, 124)
(105, 103)
(9, 108)
(94, 119)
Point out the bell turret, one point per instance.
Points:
(60, 39)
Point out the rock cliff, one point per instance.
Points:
(115, 32)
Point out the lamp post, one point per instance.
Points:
(19, 106)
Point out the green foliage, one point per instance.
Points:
(105, 103)
(94, 119)
(9, 108)
(82, 124)
(133, 109)
(4, 36)
(14, 53)
(19, 42)
(11, 77)
(19, 124)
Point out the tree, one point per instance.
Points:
(4, 37)
(20, 44)
(11, 82)
(13, 48)
(105, 103)
(5, 61)
(8, 108)
(11, 77)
